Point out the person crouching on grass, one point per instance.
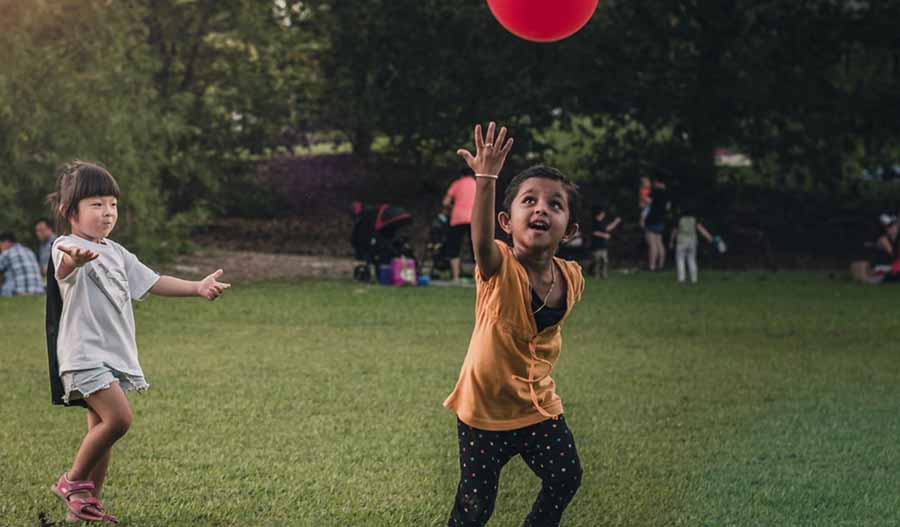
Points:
(505, 400)
(93, 357)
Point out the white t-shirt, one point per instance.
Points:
(97, 323)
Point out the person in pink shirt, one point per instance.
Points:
(460, 199)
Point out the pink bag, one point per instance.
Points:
(404, 271)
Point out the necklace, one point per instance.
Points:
(549, 291)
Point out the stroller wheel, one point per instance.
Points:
(362, 273)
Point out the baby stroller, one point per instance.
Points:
(436, 258)
(380, 234)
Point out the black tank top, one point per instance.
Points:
(549, 315)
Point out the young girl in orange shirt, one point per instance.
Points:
(505, 400)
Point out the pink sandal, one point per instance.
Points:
(80, 508)
(71, 518)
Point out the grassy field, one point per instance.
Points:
(749, 400)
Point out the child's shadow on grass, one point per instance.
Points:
(44, 522)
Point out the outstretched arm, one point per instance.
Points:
(209, 288)
(74, 258)
(612, 226)
(487, 163)
(704, 232)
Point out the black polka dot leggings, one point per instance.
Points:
(548, 449)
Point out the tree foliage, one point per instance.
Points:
(180, 97)
(73, 85)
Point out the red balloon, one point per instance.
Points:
(543, 20)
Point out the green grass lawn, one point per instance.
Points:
(749, 400)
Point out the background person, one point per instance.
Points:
(654, 224)
(684, 238)
(43, 230)
(19, 265)
(460, 199)
(886, 244)
(601, 231)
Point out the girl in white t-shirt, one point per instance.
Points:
(95, 350)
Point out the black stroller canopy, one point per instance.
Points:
(375, 231)
(381, 216)
(391, 216)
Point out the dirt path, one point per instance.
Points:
(246, 266)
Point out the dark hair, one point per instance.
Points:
(75, 181)
(7, 237)
(685, 205)
(467, 172)
(43, 220)
(541, 171)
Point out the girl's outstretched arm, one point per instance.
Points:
(490, 154)
(209, 288)
(614, 224)
(704, 232)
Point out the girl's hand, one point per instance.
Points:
(490, 153)
(79, 256)
(210, 288)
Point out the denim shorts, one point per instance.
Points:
(81, 384)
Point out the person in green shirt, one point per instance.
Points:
(684, 239)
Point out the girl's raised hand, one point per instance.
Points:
(490, 153)
(79, 256)
(210, 288)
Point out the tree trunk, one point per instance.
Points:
(361, 139)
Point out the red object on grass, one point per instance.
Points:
(543, 20)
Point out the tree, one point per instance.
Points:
(235, 76)
(73, 85)
(800, 81)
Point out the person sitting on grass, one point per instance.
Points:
(505, 400)
(885, 246)
(886, 268)
(20, 269)
(90, 326)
